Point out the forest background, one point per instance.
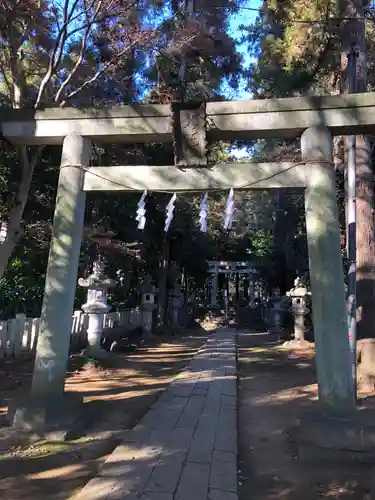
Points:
(109, 52)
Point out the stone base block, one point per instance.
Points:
(353, 434)
(297, 344)
(55, 418)
(97, 354)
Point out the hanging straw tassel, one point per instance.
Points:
(141, 212)
(228, 218)
(169, 212)
(203, 214)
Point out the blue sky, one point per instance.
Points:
(246, 15)
(243, 17)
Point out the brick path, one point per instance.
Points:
(185, 447)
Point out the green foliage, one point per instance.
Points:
(102, 72)
(60, 53)
(21, 287)
(261, 243)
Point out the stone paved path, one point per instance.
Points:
(185, 447)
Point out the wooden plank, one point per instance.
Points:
(171, 178)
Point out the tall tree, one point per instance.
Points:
(353, 38)
(303, 50)
(57, 53)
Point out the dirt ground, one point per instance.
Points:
(274, 386)
(115, 398)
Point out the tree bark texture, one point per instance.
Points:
(353, 37)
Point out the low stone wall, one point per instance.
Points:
(19, 335)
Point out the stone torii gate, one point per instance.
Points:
(76, 129)
(229, 268)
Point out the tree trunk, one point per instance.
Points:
(353, 35)
(27, 165)
(16, 212)
(365, 210)
(365, 240)
(162, 282)
(339, 162)
(130, 63)
(237, 290)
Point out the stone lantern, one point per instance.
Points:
(299, 295)
(97, 285)
(148, 305)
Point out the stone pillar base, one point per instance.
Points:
(56, 418)
(297, 344)
(97, 353)
(95, 329)
(352, 435)
(147, 320)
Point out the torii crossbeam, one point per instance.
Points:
(227, 120)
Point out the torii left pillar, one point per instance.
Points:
(47, 396)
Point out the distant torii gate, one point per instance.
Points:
(77, 129)
(229, 268)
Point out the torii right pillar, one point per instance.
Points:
(336, 390)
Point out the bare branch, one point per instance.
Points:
(98, 73)
(55, 57)
(64, 34)
(80, 57)
(5, 78)
(99, 19)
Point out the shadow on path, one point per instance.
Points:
(115, 397)
(275, 385)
